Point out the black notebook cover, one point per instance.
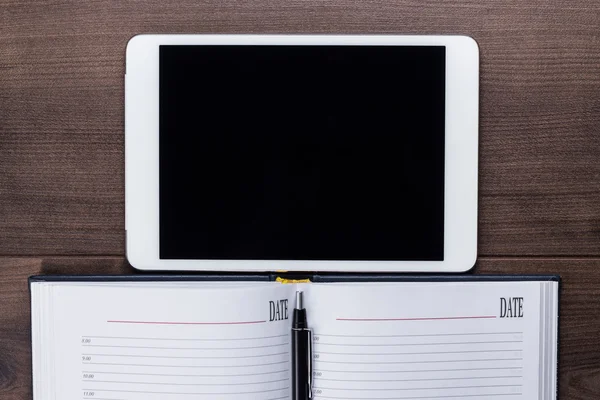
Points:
(316, 277)
(323, 278)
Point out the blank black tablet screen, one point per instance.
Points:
(302, 152)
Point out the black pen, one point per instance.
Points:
(301, 353)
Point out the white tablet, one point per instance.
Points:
(301, 153)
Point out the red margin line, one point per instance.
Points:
(185, 323)
(414, 319)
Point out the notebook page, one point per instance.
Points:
(425, 340)
(172, 343)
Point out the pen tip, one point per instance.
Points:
(299, 305)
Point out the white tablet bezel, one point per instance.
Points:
(142, 163)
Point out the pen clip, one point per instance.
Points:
(309, 363)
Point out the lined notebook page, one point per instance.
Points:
(171, 343)
(425, 340)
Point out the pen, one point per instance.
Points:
(301, 353)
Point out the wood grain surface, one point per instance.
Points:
(62, 154)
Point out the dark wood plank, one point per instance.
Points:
(579, 322)
(61, 102)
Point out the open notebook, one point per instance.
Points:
(231, 340)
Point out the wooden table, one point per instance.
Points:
(61, 141)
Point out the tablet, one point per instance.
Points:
(301, 153)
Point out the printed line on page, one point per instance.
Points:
(189, 384)
(101, 398)
(105, 398)
(185, 348)
(188, 366)
(188, 375)
(421, 388)
(421, 335)
(484, 396)
(183, 339)
(187, 358)
(421, 362)
(184, 393)
(419, 380)
(185, 323)
(420, 370)
(415, 318)
(419, 353)
(417, 344)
